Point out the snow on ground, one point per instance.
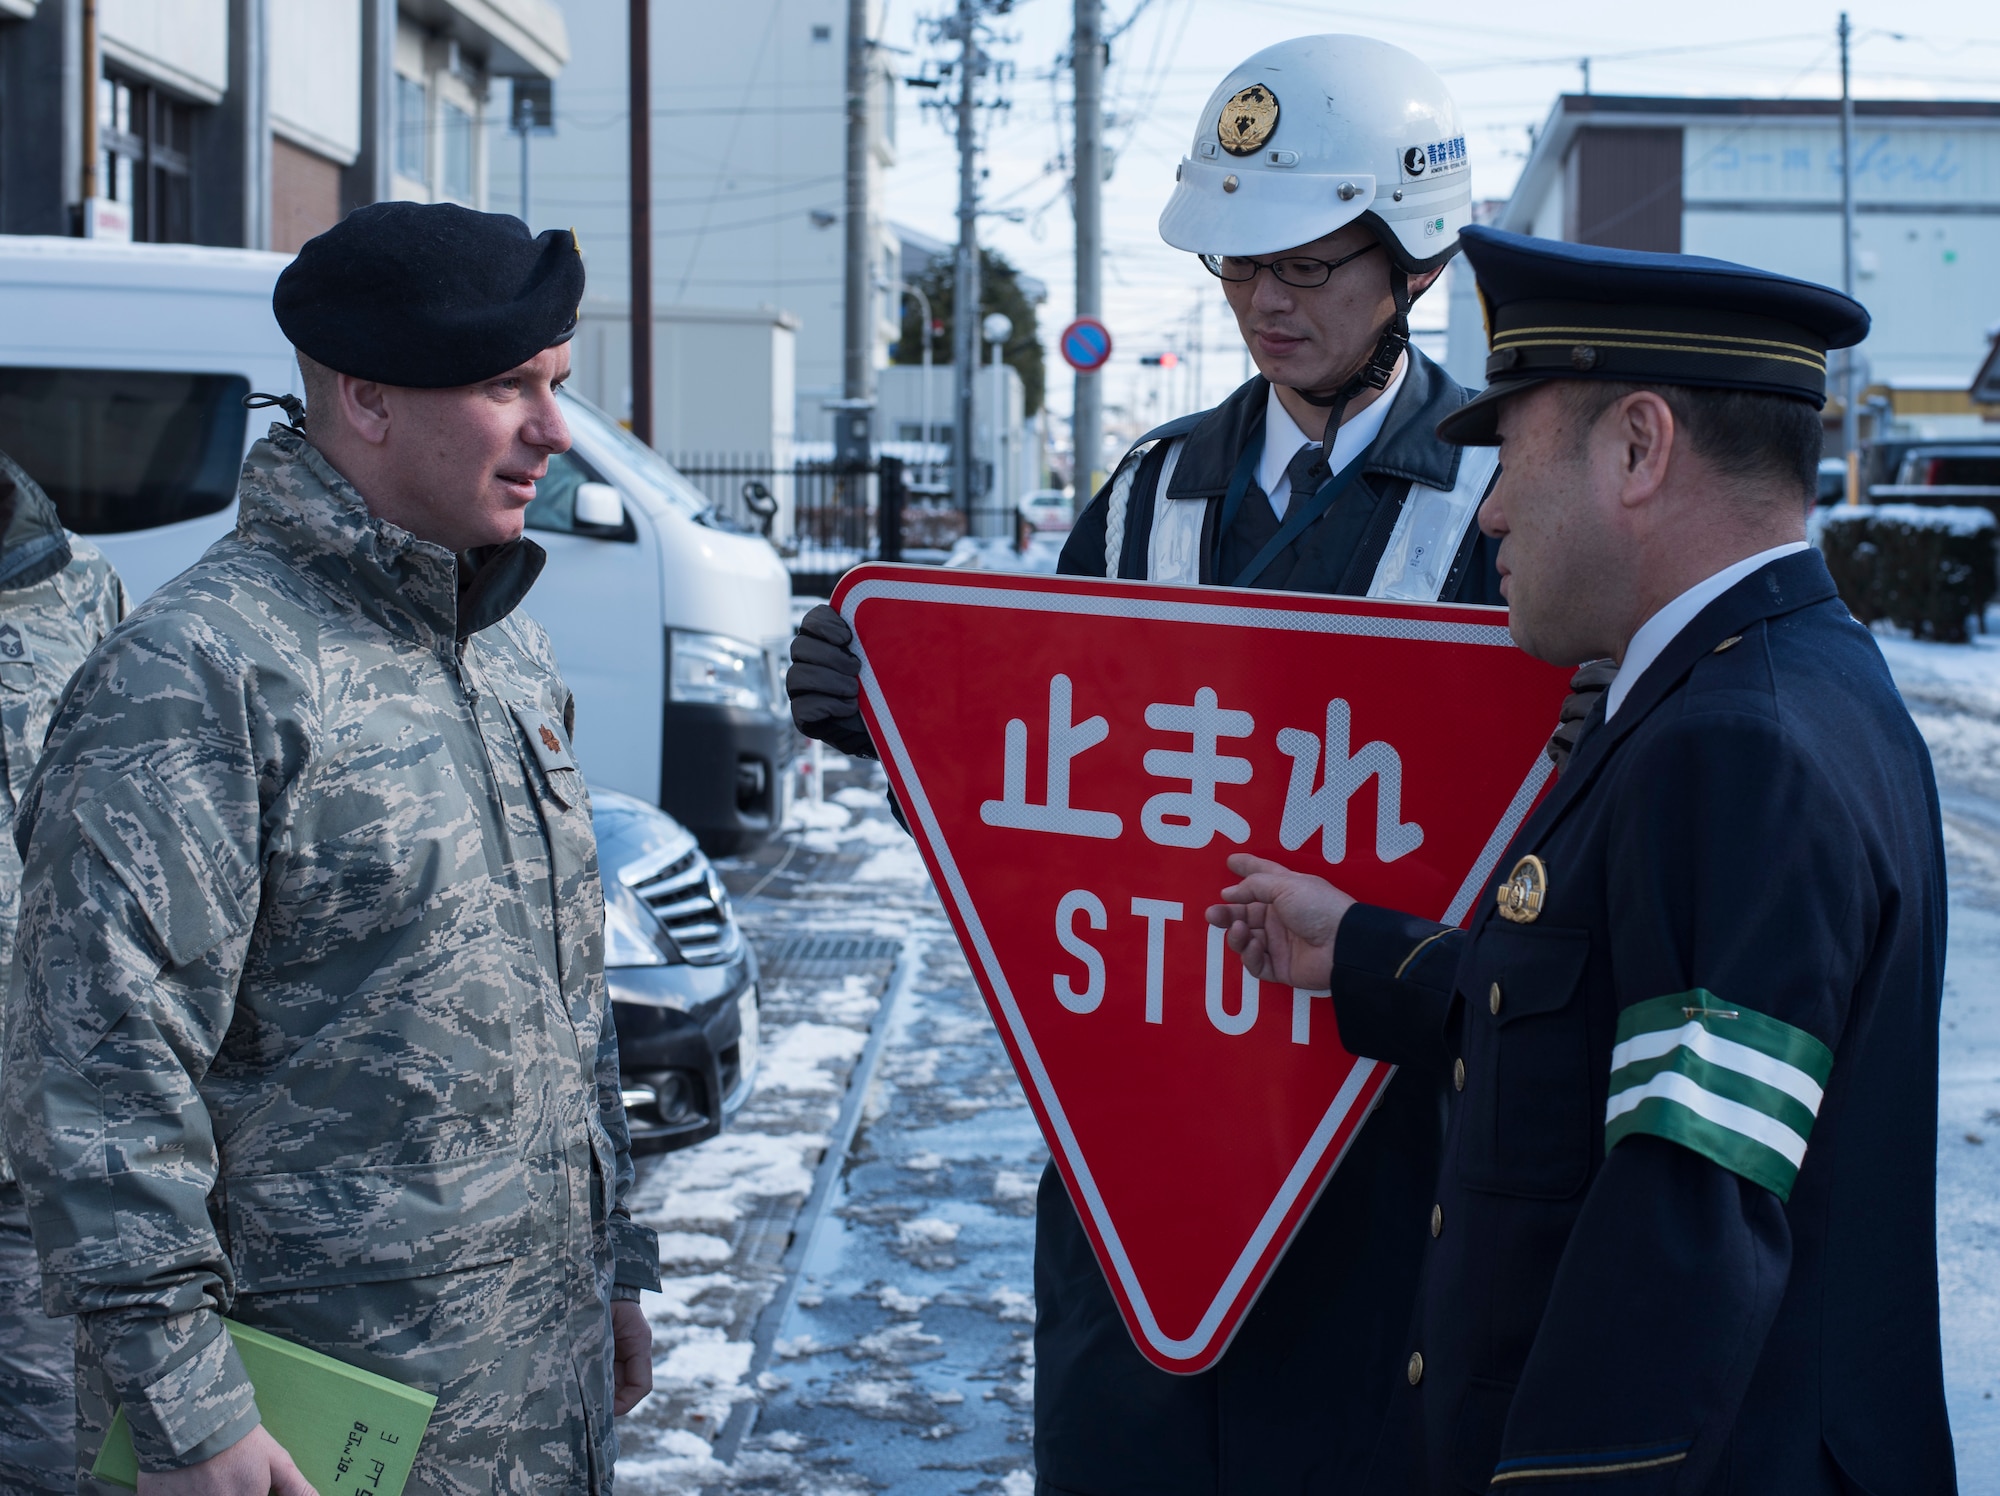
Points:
(904, 1363)
(1953, 692)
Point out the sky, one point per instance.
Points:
(1506, 63)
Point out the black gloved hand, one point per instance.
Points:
(1591, 681)
(824, 684)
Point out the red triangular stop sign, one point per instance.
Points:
(1077, 759)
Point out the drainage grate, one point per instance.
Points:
(855, 950)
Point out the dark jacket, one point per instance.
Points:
(1750, 847)
(1339, 553)
(1297, 1405)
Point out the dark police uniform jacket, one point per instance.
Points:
(1633, 1283)
(1298, 1403)
(1340, 553)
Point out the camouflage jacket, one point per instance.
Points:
(312, 1009)
(59, 597)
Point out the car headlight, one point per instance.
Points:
(718, 670)
(631, 934)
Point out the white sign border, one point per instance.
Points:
(1191, 609)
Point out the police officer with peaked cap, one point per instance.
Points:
(59, 597)
(1684, 1238)
(312, 1031)
(1326, 187)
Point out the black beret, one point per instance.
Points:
(1574, 311)
(429, 295)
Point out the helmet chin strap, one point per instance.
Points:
(1379, 367)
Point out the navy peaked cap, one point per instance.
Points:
(429, 295)
(1575, 311)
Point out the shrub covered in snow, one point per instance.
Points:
(1927, 568)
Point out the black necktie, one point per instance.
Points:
(1308, 471)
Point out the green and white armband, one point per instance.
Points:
(1727, 1082)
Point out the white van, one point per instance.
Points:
(123, 369)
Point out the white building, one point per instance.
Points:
(749, 161)
(1009, 448)
(253, 123)
(1759, 181)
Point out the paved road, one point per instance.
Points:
(895, 1355)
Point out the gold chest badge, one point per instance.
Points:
(1248, 120)
(1520, 897)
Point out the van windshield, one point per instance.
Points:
(635, 453)
(121, 450)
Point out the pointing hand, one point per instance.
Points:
(1281, 923)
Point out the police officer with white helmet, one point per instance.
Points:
(1326, 187)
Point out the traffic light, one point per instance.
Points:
(1161, 360)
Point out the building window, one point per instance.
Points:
(412, 136)
(457, 152)
(143, 139)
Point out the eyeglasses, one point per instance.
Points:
(1293, 270)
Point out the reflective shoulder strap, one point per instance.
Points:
(1430, 529)
(1173, 550)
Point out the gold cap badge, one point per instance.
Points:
(1520, 897)
(1248, 120)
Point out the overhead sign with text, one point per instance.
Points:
(1077, 758)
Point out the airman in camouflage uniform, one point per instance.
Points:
(314, 1030)
(58, 599)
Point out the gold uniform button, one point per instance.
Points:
(1416, 1369)
(1458, 1075)
(1493, 998)
(1437, 1220)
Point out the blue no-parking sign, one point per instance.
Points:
(1086, 345)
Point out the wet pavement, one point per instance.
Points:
(848, 1279)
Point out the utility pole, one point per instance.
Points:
(1585, 64)
(1087, 418)
(639, 44)
(93, 69)
(965, 285)
(1850, 422)
(857, 308)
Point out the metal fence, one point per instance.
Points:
(824, 517)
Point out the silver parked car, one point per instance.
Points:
(682, 979)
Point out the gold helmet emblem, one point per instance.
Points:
(1248, 120)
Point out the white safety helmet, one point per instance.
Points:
(1312, 134)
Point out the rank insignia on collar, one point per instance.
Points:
(1520, 897)
(1248, 120)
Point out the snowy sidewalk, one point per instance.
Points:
(1953, 692)
(904, 1359)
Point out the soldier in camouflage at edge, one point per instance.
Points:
(313, 1031)
(58, 599)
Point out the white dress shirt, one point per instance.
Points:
(1657, 632)
(1282, 440)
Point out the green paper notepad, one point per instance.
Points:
(348, 1429)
